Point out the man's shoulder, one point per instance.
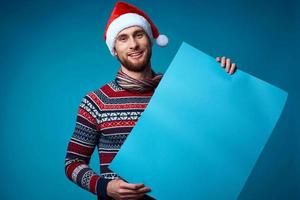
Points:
(113, 86)
(105, 90)
(97, 95)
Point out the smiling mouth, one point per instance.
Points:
(136, 55)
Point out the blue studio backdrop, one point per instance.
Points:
(52, 53)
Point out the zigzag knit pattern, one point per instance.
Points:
(104, 120)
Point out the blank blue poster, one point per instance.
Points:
(202, 131)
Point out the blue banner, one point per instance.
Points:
(202, 131)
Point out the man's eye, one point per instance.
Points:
(122, 39)
(139, 35)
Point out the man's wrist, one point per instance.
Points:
(102, 188)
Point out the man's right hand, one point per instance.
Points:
(120, 190)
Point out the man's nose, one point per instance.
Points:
(132, 43)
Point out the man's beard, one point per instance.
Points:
(140, 67)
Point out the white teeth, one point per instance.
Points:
(135, 54)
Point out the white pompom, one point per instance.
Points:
(162, 40)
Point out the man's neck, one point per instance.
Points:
(145, 74)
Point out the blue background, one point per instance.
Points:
(52, 53)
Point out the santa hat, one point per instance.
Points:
(125, 15)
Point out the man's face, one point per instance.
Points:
(133, 48)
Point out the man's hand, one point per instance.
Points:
(120, 190)
(226, 63)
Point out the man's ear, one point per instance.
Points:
(115, 53)
(150, 40)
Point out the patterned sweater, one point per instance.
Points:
(104, 120)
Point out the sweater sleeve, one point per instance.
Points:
(81, 147)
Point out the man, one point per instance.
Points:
(106, 116)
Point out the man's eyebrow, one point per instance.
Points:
(139, 31)
(122, 35)
(134, 33)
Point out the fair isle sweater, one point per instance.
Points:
(104, 120)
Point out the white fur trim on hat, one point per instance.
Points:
(122, 22)
(162, 40)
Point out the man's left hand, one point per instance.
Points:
(226, 63)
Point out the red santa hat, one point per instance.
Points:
(125, 15)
